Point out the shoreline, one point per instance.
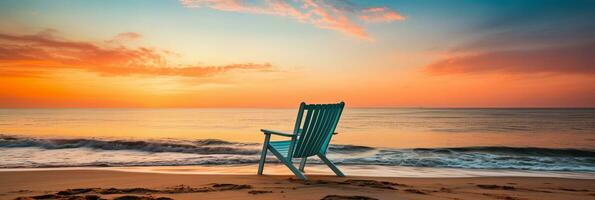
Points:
(322, 170)
(112, 184)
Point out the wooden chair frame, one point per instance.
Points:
(310, 138)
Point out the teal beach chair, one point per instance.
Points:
(310, 138)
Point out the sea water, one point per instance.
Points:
(380, 141)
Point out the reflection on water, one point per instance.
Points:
(397, 128)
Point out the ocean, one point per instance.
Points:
(370, 141)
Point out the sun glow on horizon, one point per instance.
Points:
(195, 53)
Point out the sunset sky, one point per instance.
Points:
(276, 53)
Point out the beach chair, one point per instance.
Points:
(310, 138)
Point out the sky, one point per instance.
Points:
(277, 53)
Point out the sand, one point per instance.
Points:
(103, 184)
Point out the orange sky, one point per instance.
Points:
(278, 55)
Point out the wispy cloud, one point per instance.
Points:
(327, 14)
(380, 14)
(553, 37)
(33, 55)
(126, 36)
(573, 59)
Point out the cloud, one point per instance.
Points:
(333, 15)
(127, 36)
(554, 37)
(380, 14)
(572, 59)
(34, 55)
(189, 71)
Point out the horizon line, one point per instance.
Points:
(356, 107)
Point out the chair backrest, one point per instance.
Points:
(314, 134)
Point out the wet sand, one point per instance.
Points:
(103, 184)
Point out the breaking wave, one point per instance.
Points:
(208, 146)
(18, 152)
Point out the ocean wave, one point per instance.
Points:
(503, 150)
(44, 152)
(204, 146)
(207, 146)
(488, 157)
(348, 148)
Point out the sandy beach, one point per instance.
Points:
(102, 184)
(329, 99)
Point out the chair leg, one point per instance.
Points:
(303, 164)
(289, 165)
(263, 155)
(331, 165)
(295, 171)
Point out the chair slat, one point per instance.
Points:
(309, 131)
(321, 121)
(325, 130)
(327, 141)
(321, 131)
(318, 131)
(313, 140)
(330, 127)
(305, 131)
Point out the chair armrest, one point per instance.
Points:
(266, 131)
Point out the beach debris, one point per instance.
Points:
(131, 197)
(573, 190)
(357, 182)
(506, 187)
(169, 190)
(229, 186)
(260, 191)
(503, 196)
(342, 197)
(56, 196)
(86, 197)
(71, 194)
(447, 190)
(496, 187)
(75, 191)
(185, 189)
(126, 191)
(415, 191)
(374, 184)
(46, 196)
